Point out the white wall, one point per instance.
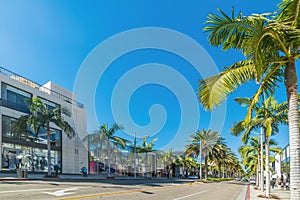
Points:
(71, 162)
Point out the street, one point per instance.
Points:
(121, 190)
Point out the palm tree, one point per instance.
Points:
(253, 148)
(96, 142)
(41, 116)
(250, 151)
(146, 148)
(218, 154)
(270, 44)
(268, 115)
(109, 134)
(181, 161)
(208, 139)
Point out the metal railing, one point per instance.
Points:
(39, 87)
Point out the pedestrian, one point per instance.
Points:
(84, 171)
(56, 168)
(287, 185)
(272, 183)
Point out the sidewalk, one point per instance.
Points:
(41, 176)
(282, 194)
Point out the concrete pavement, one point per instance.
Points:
(253, 193)
(41, 176)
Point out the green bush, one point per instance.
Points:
(220, 179)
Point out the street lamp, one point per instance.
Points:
(134, 155)
(261, 159)
(200, 160)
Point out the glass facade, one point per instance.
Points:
(15, 98)
(28, 149)
(31, 158)
(50, 105)
(41, 137)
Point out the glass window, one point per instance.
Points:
(31, 158)
(7, 131)
(50, 105)
(55, 137)
(15, 98)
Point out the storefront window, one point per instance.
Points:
(30, 158)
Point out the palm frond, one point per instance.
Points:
(214, 90)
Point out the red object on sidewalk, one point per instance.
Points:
(248, 193)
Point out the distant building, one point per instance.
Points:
(281, 164)
(28, 150)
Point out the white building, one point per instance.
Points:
(281, 164)
(31, 150)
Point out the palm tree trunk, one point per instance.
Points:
(206, 167)
(258, 170)
(48, 149)
(267, 167)
(291, 81)
(219, 172)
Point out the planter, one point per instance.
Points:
(22, 173)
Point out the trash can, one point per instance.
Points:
(22, 173)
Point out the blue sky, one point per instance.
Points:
(50, 40)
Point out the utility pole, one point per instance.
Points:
(134, 155)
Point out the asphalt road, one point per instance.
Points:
(121, 190)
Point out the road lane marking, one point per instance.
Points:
(63, 192)
(123, 192)
(29, 190)
(191, 195)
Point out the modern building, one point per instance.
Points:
(30, 150)
(281, 164)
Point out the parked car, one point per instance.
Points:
(252, 181)
(193, 177)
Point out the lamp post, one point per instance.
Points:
(134, 155)
(261, 159)
(200, 160)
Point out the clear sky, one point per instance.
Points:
(147, 87)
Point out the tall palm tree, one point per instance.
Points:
(41, 116)
(146, 148)
(96, 142)
(181, 161)
(169, 159)
(219, 154)
(253, 148)
(208, 140)
(271, 44)
(268, 115)
(109, 133)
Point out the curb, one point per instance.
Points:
(248, 193)
(85, 179)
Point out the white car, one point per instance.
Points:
(252, 181)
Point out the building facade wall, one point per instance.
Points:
(74, 152)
